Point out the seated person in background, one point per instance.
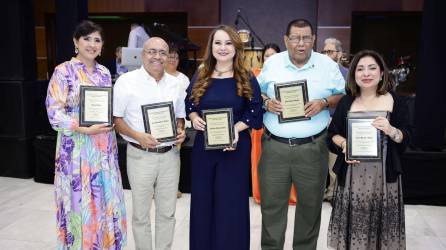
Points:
(115, 67)
(137, 36)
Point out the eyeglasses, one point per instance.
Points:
(328, 52)
(297, 39)
(172, 58)
(153, 52)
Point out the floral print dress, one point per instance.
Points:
(88, 187)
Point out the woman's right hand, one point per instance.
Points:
(197, 122)
(344, 150)
(94, 129)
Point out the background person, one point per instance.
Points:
(115, 66)
(256, 136)
(333, 49)
(138, 36)
(171, 67)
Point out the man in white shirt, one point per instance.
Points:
(137, 36)
(153, 168)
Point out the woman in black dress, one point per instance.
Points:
(368, 208)
(219, 216)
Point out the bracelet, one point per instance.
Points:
(396, 135)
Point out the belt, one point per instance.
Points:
(153, 150)
(294, 141)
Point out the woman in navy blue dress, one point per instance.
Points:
(219, 217)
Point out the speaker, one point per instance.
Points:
(18, 42)
(68, 15)
(44, 153)
(423, 177)
(16, 156)
(22, 105)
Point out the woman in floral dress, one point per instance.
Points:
(88, 187)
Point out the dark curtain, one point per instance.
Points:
(68, 14)
(431, 84)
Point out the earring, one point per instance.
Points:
(100, 53)
(76, 49)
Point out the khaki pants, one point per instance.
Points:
(329, 191)
(153, 174)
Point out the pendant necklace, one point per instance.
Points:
(220, 73)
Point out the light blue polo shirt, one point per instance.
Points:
(323, 80)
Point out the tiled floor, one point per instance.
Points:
(27, 220)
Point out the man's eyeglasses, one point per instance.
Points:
(153, 52)
(297, 39)
(328, 52)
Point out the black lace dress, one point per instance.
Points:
(368, 212)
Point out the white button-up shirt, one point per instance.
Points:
(137, 88)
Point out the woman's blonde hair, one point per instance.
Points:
(241, 74)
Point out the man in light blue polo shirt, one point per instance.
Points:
(296, 152)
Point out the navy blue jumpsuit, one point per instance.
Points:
(219, 216)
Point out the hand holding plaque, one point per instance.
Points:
(159, 121)
(363, 140)
(95, 106)
(293, 96)
(219, 131)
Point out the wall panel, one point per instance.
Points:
(199, 35)
(269, 20)
(104, 6)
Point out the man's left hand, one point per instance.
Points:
(313, 107)
(181, 136)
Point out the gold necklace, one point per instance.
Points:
(219, 73)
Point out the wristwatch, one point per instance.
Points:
(325, 102)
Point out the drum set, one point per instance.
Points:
(252, 55)
(401, 71)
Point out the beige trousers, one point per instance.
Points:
(153, 175)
